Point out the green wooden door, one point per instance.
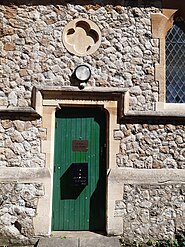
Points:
(79, 183)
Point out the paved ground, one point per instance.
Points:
(78, 239)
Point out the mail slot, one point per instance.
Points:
(80, 174)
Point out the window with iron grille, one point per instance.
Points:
(175, 63)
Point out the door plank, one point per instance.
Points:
(83, 207)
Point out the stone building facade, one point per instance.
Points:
(145, 136)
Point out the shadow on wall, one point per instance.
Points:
(95, 3)
(152, 120)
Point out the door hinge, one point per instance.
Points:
(56, 124)
(101, 151)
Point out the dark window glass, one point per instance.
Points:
(175, 63)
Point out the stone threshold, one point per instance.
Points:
(76, 234)
(79, 241)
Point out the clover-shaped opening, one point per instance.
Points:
(70, 31)
(81, 37)
(90, 32)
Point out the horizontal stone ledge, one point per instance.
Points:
(156, 117)
(146, 176)
(156, 113)
(86, 89)
(94, 93)
(21, 113)
(20, 174)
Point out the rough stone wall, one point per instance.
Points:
(20, 143)
(32, 52)
(151, 211)
(18, 203)
(151, 146)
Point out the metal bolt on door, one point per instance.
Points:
(79, 183)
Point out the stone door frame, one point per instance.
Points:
(46, 101)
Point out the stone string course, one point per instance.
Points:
(18, 203)
(151, 146)
(20, 143)
(32, 52)
(151, 211)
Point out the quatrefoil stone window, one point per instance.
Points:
(81, 37)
